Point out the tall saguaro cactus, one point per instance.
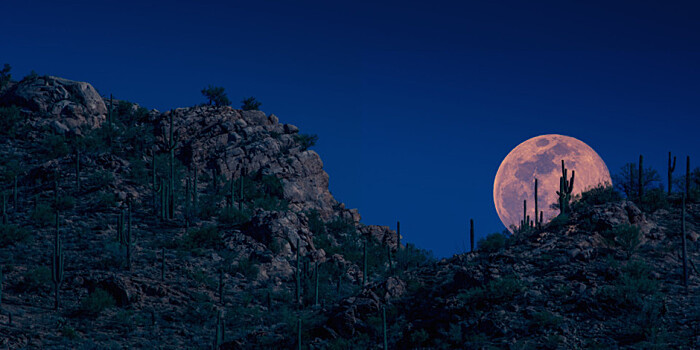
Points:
(565, 188)
(685, 248)
(316, 289)
(162, 264)
(298, 277)
(299, 333)
(219, 337)
(640, 182)
(4, 208)
(687, 176)
(386, 346)
(57, 262)
(15, 202)
(537, 222)
(128, 237)
(171, 162)
(77, 168)
(471, 234)
(364, 263)
(157, 187)
(671, 168)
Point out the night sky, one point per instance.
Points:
(415, 105)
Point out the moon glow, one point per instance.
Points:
(540, 157)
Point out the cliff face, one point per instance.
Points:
(251, 244)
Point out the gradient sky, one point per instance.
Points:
(415, 104)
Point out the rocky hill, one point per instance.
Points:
(212, 226)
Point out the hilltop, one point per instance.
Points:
(235, 239)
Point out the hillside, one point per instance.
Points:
(213, 225)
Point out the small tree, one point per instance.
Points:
(5, 76)
(306, 140)
(250, 104)
(627, 180)
(216, 96)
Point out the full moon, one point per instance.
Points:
(540, 157)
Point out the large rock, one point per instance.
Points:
(77, 104)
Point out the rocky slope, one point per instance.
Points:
(262, 208)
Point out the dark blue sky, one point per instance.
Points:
(415, 105)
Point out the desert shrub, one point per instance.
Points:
(305, 141)
(43, 215)
(601, 194)
(35, 280)
(545, 320)
(250, 104)
(111, 256)
(559, 221)
(11, 234)
(64, 203)
(204, 237)
(631, 288)
(409, 256)
(96, 302)
(106, 200)
(262, 191)
(5, 76)
(248, 267)
(53, 146)
(101, 179)
(216, 96)
(624, 236)
(233, 216)
(10, 117)
(653, 200)
(492, 243)
(494, 292)
(316, 224)
(650, 180)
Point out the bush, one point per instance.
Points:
(106, 200)
(36, 280)
(545, 320)
(601, 194)
(492, 243)
(233, 216)
(9, 118)
(305, 141)
(11, 234)
(247, 267)
(64, 203)
(96, 302)
(250, 104)
(205, 237)
(624, 236)
(631, 289)
(43, 215)
(216, 96)
(53, 146)
(653, 200)
(494, 292)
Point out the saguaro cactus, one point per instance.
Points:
(471, 234)
(15, 202)
(1, 277)
(640, 182)
(156, 186)
(537, 222)
(671, 168)
(57, 263)
(687, 176)
(128, 237)
(565, 188)
(4, 208)
(364, 262)
(386, 347)
(162, 264)
(221, 286)
(219, 337)
(685, 249)
(77, 168)
(171, 161)
(298, 277)
(316, 292)
(299, 333)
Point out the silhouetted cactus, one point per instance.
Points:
(171, 162)
(15, 193)
(298, 277)
(162, 264)
(299, 333)
(221, 286)
(316, 289)
(156, 186)
(121, 237)
(232, 190)
(687, 176)
(57, 263)
(4, 208)
(685, 249)
(386, 347)
(537, 222)
(671, 168)
(640, 182)
(128, 236)
(1, 280)
(109, 120)
(194, 191)
(77, 168)
(219, 337)
(364, 263)
(565, 188)
(471, 234)
(240, 196)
